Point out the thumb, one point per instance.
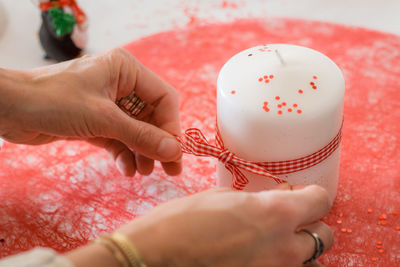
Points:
(144, 138)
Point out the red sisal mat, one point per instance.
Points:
(62, 194)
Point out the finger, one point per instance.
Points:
(312, 203)
(144, 138)
(125, 162)
(144, 165)
(282, 186)
(172, 168)
(122, 155)
(161, 96)
(132, 75)
(162, 99)
(304, 206)
(306, 243)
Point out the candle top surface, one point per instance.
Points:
(281, 80)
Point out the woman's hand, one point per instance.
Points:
(76, 100)
(221, 227)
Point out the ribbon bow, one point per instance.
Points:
(198, 145)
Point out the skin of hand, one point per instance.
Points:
(76, 100)
(220, 227)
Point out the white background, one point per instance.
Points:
(114, 23)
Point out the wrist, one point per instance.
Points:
(93, 254)
(13, 90)
(148, 241)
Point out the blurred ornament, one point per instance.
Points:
(63, 33)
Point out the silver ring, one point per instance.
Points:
(319, 246)
(131, 105)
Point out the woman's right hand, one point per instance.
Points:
(221, 227)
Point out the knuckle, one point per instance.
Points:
(322, 195)
(117, 52)
(119, 55)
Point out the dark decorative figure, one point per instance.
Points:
(63, 33)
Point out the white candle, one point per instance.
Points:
(280, 102)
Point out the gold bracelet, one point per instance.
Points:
(122, 261)
(127, 248)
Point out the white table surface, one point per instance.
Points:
(114, 23)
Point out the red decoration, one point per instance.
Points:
(78, 12)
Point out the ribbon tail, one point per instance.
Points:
(239, 180)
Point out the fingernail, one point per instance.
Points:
(120, 166)
(168, 149)
(282, 186)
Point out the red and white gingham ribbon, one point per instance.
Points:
(198, 145)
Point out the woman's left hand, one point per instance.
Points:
(77, 100)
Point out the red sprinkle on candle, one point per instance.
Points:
(280, 112)
(233, 92)
(283, 103)
(277, 98)
(299, 111)
(266, 109)
(295, 105)
(312, 83)
(383, 222)
(279, 106)
(398, 227)
(314, 87)
(260, 79)
(265, 76)
(369, 210)
(314, 77)
(373, 259)
(343, 230)
(379, 243)
(395, 212)
(300, 91)
(381, 251)
(349, 231)
(266, 81)
(289, 110)
(266, 103)
(378, 246)
(271, 76)
(250, 55)
(340, 214)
